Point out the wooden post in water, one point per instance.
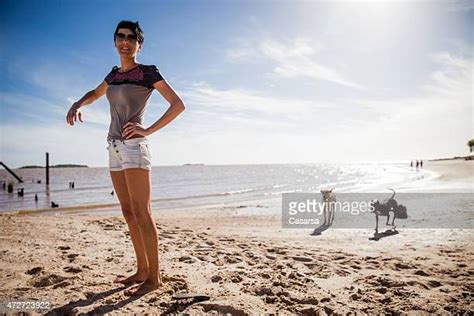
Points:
(47, 168)
(10, 171)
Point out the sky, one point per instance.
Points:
(262, 81)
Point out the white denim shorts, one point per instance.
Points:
(129, 153)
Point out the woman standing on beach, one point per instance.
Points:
(128, 89)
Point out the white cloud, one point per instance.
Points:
(454, 77)
(291, 59)
(237, 100)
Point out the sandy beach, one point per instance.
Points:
(247, 264)
(453, 170)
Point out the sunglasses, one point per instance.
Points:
(132, 38)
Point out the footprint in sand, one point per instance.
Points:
(421, 272)
(260, 291)
(381, 290)
(271, 257)
(222, 309)
(34, 270)
(234, 277)
(48, 280)
(342, 272)
(402, 266)
(434, 283)
(72, 256)
(281, 251)
(226, 239)
(62, 284)
(278, 267)
(175, 283)
(203, 258)
(250, 254)
(166, 235)
(355, 267)
(232, 259)
(302, 259)
(386, 282)
(186, 259)
(204, 249)
(72, 269)
(251, 262)
(420, 284)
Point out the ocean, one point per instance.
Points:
(181, 187)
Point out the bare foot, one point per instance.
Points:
(145, 287)
(134, 278)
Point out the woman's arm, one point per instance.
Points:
(74, 113)
(93, 95)
(175, 108)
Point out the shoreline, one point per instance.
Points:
(438, 176)
(453, 176)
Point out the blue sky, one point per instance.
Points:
(263, 81)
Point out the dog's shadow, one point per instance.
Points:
(319, 230)
(102, 309)
(387, 233)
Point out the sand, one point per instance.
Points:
(453, 170)
(247, 264)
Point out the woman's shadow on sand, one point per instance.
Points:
(94, 297)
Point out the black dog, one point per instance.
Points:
(384, 209)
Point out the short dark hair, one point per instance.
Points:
(132, 26)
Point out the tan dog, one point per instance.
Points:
(329, 199)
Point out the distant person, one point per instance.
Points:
(421, 163)
(417, 164)
(411, 164)
(128, 89)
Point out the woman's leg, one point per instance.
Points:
(120, 186)
(139, 189)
